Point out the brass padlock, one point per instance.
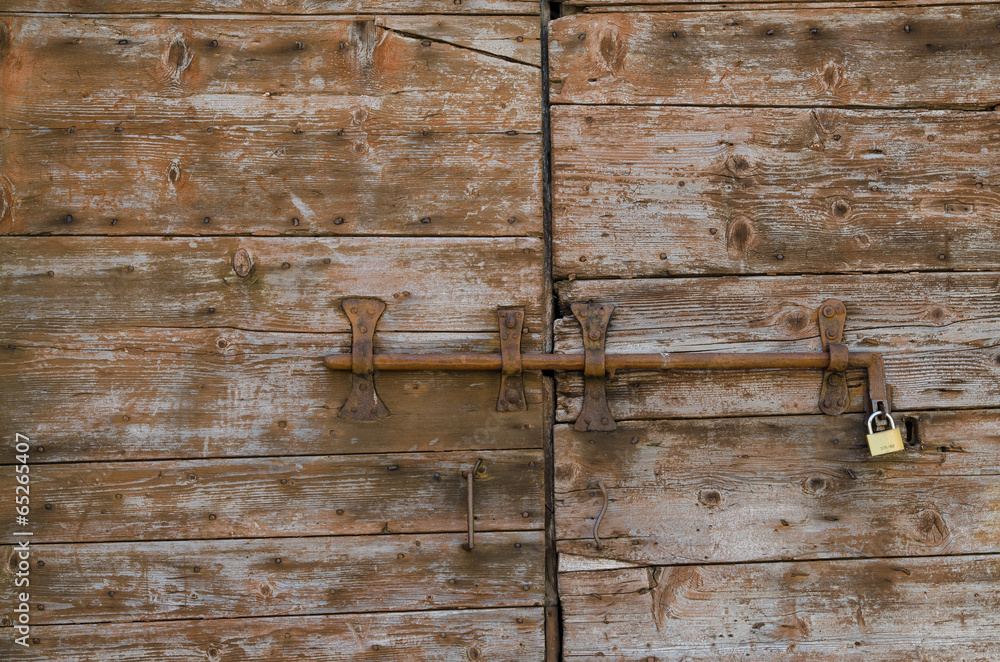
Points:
(886, 441)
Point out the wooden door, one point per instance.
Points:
(186, 200)
(718, 172)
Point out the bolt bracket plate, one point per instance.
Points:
(833, 396)
(511, 398)
(363, 404)
(595, 416)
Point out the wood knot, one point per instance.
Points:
(174, 173)
(932, 527)
(817, 485)
(738, 165)
(612, 50)
(177, 58)
(709, 498)
(242, 263)
(831, 76)
(796, 321)
(841, 208)
(740, 237)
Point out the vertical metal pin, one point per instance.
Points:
(470, 478)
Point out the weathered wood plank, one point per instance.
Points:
(490, 634)
(647, 191)
(309, 7)
(295, 284)
(778, 488)
(143, 394)
(855, 58)
(288, 576)
(345, 126)
(755, 5)
(514, 37)
(932, 608)
(281, 497)
(937, 331)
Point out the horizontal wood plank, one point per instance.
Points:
(281, 497)
(938, 334)
(514, 37)
(779, 488)
(313, 7)
(512, 635)
(754, 5)
(643, 191)
(147, 393)
(931, 608)
(149, 581)
(295, 284)
(330, 126)
(854, 58)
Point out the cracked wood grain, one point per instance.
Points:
(262, 9)
(168, 393)
(507, 635)
(886, 609)
(269, 497)
(773, 58)
(332, 126)
(179, 580)
(643, 191)
(296, 284)
(777, 488)
(937, 332)
(497, 634)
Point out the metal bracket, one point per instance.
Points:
(595, 416)
(363, 404)
(511, 398)
(879, 392)
(833, 396)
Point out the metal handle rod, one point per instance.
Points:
(613, 362)
(470, 477)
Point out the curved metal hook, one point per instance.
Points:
(604, 508)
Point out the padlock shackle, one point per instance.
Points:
(892, 423)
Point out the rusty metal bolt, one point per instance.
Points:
(831, 333)
(828, 311)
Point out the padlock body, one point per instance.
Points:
(886, 441)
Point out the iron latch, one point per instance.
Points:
(363, 404)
